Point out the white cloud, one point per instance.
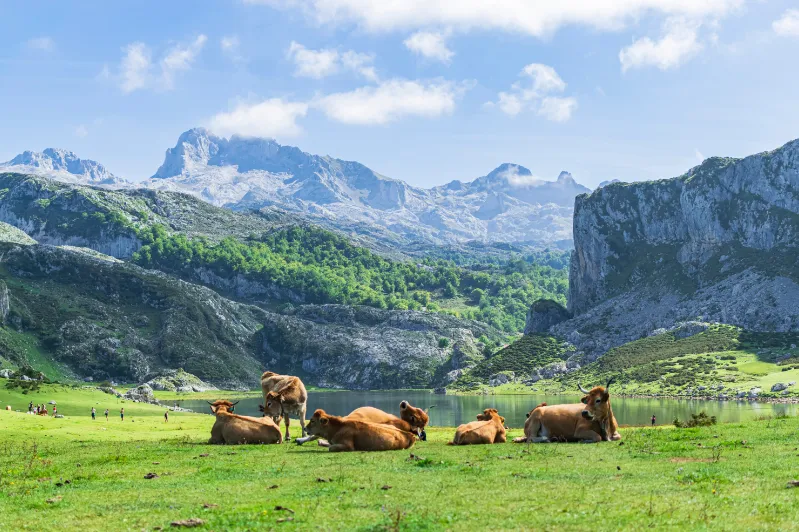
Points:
(390, 101)
(432, 45)
(135, 67)
(229, 43)
(45, 44)
(319, 64)
(698, 155)
(270, 118)
(81, 131)
(557, 109)
(679, 43)
(788, 24)
(536, 96)
(539, 18)
(180, 59)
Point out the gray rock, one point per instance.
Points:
(778, 387)
(6, 373)
(440, 391)
(500, 378)
(141, 394)
(544, 314)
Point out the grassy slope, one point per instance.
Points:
(661, 478)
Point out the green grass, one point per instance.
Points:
(662, 478)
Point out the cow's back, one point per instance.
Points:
(370, 414)
(559, 421)
(291, 389)
(242, 429)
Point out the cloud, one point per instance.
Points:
(45, 44)
(539, 18)
(270, 118)
(788, 24)
(320, 64)
(390, 101)
(180, 59)
(514, 179)
(81, 131)
(533, 93)
(135, 67)
(229, 44)
(557, 109)
(698, 155)
(678, 44)
(431, 45)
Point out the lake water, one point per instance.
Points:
(452, 410)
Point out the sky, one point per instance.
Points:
(422, 91)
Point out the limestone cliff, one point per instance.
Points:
(720, 242)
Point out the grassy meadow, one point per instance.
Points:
(75, 473)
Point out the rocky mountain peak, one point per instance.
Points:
(64, 165)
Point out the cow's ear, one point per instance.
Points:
(324, 421)
(528, 414)
(584, 400)
(403, 405)
(413, 419)
(213, 409)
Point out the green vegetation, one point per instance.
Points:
(697, 420)
(521, 358)
(319, 266)
(72, 473)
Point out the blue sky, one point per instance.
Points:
(422, 91)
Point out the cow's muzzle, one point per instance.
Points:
(587, 414)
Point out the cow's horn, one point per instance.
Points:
(582, 389)
(426, 410)
(610, 381)
(209, 402)
(234, 404)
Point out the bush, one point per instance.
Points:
(443, 342)
(697, 420)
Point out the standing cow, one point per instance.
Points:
(284, 396)
(589, 421)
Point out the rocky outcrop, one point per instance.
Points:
(719, 242)
(543, 315)
(141, 394)
(5, 306)
(177, 380)
(367, 348)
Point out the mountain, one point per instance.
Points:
(65, 166)
(506, 205)
(718, 243)
(606, 183)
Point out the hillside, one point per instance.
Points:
(719, 244)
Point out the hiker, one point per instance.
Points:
(106, 414)
(55, 410)
(122, 414)
(30, 407)
(94, 414)
(653, 420)
(166, 416)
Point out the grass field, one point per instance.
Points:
(73, 473)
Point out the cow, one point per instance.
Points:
(589, 421)
(411, 419)
(489, 428)
(350, 435)
(231, 428)
(284, 396)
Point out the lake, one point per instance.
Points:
(452, 410)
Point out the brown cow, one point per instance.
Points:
(490, 428)
(589, 421)
(350, 435)
(411, 419)
(284, 396)
(232, 428)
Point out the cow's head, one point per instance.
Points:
(415, 417)
(273, 407)
(268, 374)
(263, 412)
(222, 406)
(597, 402)
(489, 414)
(319, 424)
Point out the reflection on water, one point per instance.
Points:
(452, 410)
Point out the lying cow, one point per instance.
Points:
(589, 421)
(411, 419)
(232, 428)
(350, 435)
(284, 396)
(489, 428)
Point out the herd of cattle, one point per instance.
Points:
(371, 429)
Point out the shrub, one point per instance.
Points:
(443, 342)
(697, 420)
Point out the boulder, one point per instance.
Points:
(778, 387)
(142, 394)
(500, 378)
(6, 373)
(440, 391)
(544, 314)
(177, 380)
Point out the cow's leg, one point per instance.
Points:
(288, 422)
(323, 442)
(305, 439)
(500, 438)
(587, 436)
(341, 448)
(302, 420)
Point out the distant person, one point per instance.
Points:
(653, 420)
(106, 414)
(30, 407)
(122, 414)
(166, 416)
(55, 410)
(94, 414)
